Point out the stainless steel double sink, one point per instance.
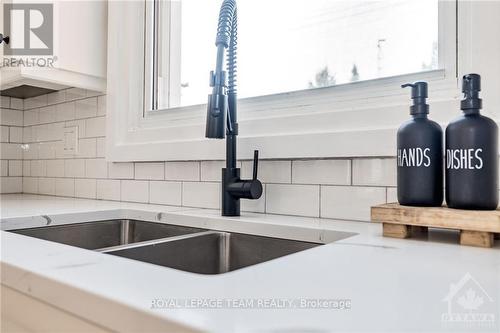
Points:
(184, 248)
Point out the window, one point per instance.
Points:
(287, 45)
(299, 96)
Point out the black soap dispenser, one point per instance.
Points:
(420, 154)
(472, 154)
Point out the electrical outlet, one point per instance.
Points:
(71, 140)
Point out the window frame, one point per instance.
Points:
(363, 115)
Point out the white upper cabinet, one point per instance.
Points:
(54, 45)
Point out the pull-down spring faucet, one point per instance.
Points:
(222, 114)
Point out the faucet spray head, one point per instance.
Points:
(217, 107)
(216, 116)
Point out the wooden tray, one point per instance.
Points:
(477, 228)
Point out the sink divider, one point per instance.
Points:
(224, 252)
(124, 231)
(155, 241)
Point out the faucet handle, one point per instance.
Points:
(255, 163)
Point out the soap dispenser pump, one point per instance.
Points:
(472, 153)
(419, 154)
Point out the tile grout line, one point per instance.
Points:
(351, 167)
(182, 193)
(320, 193)
(265, 198)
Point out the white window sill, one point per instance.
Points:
(328, 122)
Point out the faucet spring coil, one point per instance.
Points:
(232, 57)
(227, 35)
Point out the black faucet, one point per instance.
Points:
(222, 112)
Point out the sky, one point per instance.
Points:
(283, 44)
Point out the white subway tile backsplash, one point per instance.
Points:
(65, 187)
(35, 102)
(38, 168)
(188, 171)
(15, 168)
(101, 147)
(302, 200)
(30, 185)
(203, 195)
(165, 193)
(334, 172)
(11, 117)
(108, 189)
(96, 168)
(16, 103)
(374, 171)
(95, 127)
(211, 171)
(319, 187)
(16, 135)
(31, 117)
(4, 168)
(85, 188)
(87, 148)
(56, 97)
(74, 168)
(26, 168)
(5, 102)
(86, 108)
(150, 171)
(350, 202)
(55, 168)
(65, 111)
(11, 184)
(47, 114)
(41, 133)
(30, 152)
(269, 171)
(47, 186)
(121, 170)
(77, 123)
(60, 152)
(392, 194)
(47, 150)
(135, 190)
(35, 133)
(11, 151)
(57, 131)
(27, 134)
(48, 132)
(101, 105)
(4, 134)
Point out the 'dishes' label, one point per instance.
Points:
(470, 159)
(414, 157)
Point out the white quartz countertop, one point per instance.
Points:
(390, 284)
